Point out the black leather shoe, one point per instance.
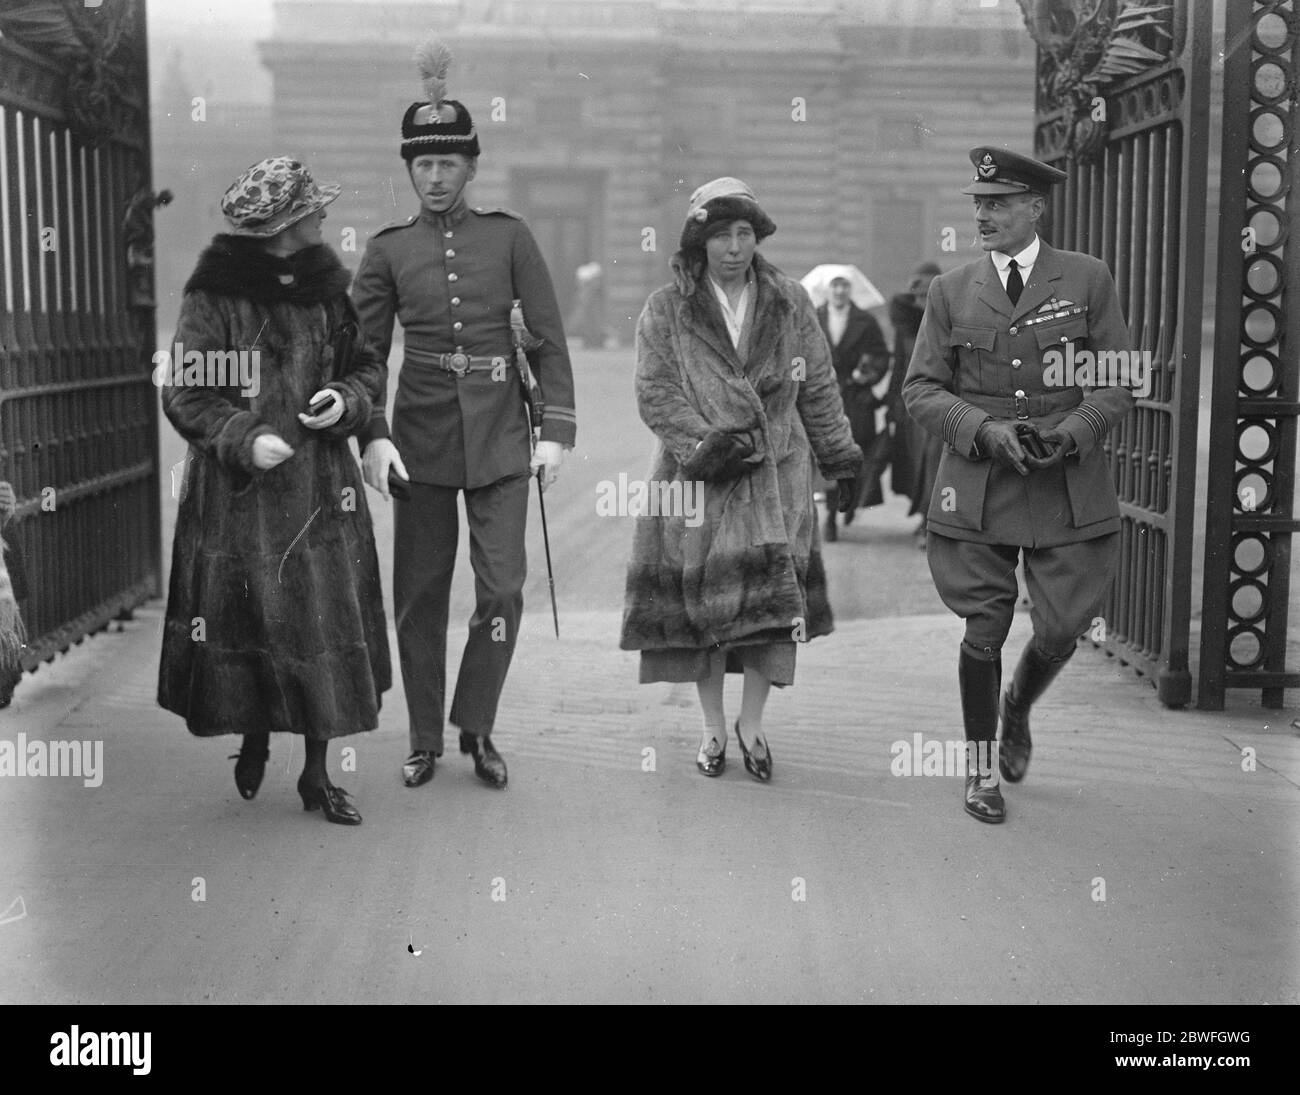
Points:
(758, 767)
(418, 768)
(488, 765)
(330, 800)
(984, 798)
(712, 764)
(250, 763)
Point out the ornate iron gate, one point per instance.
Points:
(1123, 95)
(78, 410)
(1250, 517)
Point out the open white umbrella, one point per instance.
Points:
(818, 283)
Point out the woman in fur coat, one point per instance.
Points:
(12, 592)
(734, 377)
(275, 619)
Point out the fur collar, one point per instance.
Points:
(239, 267)
(774, 305)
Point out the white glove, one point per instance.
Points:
(548, 455)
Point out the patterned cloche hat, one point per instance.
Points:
(438, 125)
(1000, 171)
(272, 195)
(724, 199)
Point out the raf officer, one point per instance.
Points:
(1022, 472)
(449, 276)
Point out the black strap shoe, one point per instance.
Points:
(488, 765)
(250, 763)
(418, 768)
(330, 800)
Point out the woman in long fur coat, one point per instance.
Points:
(275, 619)
(734, 377)
(12, 590)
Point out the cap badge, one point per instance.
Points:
(986, 167)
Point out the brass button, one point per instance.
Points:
(1014, 330)
(1020, 393)
(457, 326)
(449, 234)
(450, 253)
(1065, 338)
(452, 277)
(455, 300)
(1015, 363)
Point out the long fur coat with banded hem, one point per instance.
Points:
(275, 618)
(12, 634)
(751, 570)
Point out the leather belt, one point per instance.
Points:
(458, 364)
(1026, 406)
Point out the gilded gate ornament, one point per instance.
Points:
(1087, 45)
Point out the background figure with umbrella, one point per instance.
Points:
(860, 356)
(916, 452)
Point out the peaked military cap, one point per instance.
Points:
(998, 171)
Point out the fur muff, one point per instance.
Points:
(721, 456)
(749, 569)
(275, 618)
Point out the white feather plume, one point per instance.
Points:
(434, 59)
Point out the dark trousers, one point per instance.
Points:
(1067, 587)
(427, 528)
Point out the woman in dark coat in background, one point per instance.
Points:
(916, 451)
(275, 620)
(734, 377)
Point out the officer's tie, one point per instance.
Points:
(1015, 284)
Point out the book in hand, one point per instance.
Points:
(321, 405)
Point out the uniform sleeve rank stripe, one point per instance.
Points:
(1095, 419)
(560, 412)
(952, 421)
(1049, 316)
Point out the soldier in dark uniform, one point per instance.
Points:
(1022, 472)
(449, 275)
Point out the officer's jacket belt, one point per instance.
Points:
(1026, 406)
(452, 363)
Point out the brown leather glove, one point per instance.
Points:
(999, 441)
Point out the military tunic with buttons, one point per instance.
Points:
(461, 429)
(977, 355)
(449, 279)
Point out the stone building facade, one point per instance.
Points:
(597, 118)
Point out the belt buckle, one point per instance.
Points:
(1022, 405)
(458, 363)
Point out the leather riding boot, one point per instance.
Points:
(979, 680)
(1034, 672)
